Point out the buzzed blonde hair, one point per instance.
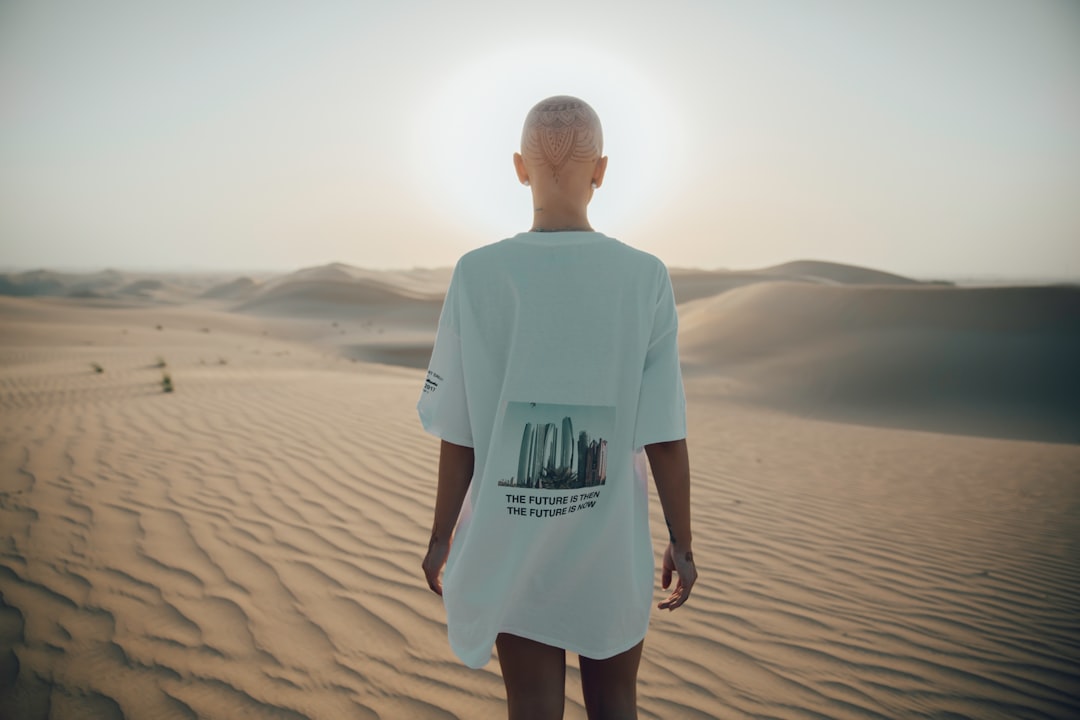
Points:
(559, 130)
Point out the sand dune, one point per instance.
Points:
(49, 282)
(161, 287)
(248, 546)
(376, 316)
(419, 282)
(323, 298)
(371, 322)
(837, 273)
(236, 289)
(988, 361)
(692, 284)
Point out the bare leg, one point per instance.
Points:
(610, 686)
(535, 678)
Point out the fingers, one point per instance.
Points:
(676, 599)
(431, 574)
(687, 577)
(433, 580)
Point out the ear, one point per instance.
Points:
(598, 171)
(519, 168)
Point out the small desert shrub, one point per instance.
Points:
(158, 327)
(222, 361)
(160, 362)
(97, 368)
(166, 382)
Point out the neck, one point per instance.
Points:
(545, 219)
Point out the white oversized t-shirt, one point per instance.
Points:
(556, 360)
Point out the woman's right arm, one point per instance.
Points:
(670, 465)
(456, 464)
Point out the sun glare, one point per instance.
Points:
(470, 127)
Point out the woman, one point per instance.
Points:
(555, 373)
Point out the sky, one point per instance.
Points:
(935, 138)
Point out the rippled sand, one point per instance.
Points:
(248, 546)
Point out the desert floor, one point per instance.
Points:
(249, 545)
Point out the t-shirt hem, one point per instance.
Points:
(448, 437)
(573, 647)
(664, 437)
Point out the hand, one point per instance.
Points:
(434, 562)
(680, 561)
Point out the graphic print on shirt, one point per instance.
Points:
(553, 459)
(432, 381)
(559, 447)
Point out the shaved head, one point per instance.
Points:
(560, 130)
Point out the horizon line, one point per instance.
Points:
(194, 270)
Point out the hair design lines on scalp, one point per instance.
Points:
(561, 129)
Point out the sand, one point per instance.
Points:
(248, 545)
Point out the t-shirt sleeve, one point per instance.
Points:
(661, 411)
(443, 406)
